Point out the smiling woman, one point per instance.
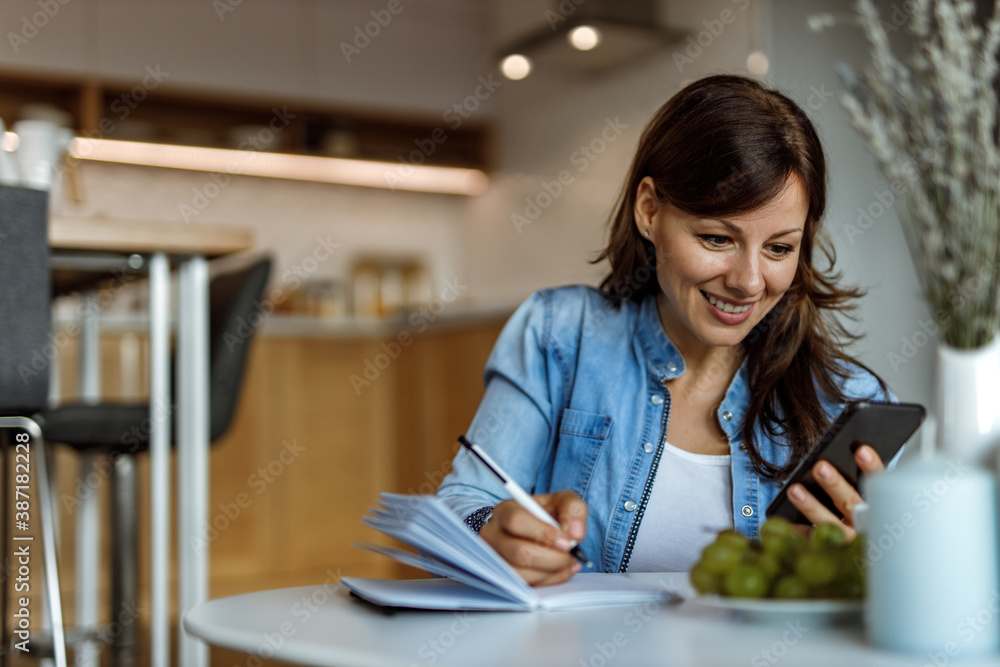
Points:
(669, 404)
(719, 278)
(737, 166)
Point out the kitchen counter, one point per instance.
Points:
(288, 325)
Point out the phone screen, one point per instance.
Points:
(883, 426)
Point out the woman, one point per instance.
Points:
(670, 404)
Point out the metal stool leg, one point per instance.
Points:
(87, 565)
(4, 556)
(88, 528)
(124, 560)
(44, 500)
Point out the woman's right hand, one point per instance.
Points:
(536, 550)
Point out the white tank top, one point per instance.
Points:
(691, 501)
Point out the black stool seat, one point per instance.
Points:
(102, 427)
(122, 427)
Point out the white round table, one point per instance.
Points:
(323, 625)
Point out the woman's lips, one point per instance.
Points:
(741, 313)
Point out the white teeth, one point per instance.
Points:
(727, 307)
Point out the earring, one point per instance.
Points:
(646, 233)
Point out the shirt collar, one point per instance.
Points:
(666, 360)
(736, 401)
(663, 355)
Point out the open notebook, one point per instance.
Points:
(475, 577)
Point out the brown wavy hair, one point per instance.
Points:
(723, 146)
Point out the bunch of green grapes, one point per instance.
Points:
(781, 564)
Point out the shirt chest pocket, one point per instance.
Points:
(581, 437)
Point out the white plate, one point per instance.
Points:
(775, 610)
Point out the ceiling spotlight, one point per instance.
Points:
(515, 67)
(584, 37)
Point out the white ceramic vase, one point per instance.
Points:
(967, 402)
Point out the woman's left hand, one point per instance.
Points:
(844, 496)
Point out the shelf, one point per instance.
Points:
(115, 110)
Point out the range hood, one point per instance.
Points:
(626, 30)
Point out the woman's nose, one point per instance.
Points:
(744, 276)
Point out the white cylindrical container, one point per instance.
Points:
(40, 149)
(931, 558)
(967, 401)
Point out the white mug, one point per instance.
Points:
(40, 148)
(932, 559)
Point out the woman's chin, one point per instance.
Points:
(718, 335)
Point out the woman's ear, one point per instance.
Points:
(646, 205)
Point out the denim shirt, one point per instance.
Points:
(576, 399)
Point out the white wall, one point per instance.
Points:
(424, 59)
(287, 216)
(871, 251)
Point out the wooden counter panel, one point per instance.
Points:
(308, 452)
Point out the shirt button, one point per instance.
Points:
(630, 505)
(656, 399)
(671, 367)
(747, 510)
(727, 415)
(648, 448)
(743, 447)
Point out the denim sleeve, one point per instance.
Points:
(514, 422)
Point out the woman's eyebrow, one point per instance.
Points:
(737, 230)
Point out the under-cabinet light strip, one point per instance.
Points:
(366, 173)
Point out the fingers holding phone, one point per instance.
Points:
(823, 486)
(843, 494)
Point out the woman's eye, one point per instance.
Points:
(715, 241)
(781, 250)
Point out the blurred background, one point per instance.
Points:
(388, 298)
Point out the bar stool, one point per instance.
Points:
(25, 328)
(121, 430)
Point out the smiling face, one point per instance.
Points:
(719, 277)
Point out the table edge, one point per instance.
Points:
(238, 639)
(144, 236)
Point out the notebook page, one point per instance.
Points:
(438, 594)
(591, 589)
(428, 525)
(445, 543)
(583, 590)
(437, 567)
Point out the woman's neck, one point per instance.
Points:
(706, 365)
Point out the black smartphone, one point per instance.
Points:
(884, 426)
